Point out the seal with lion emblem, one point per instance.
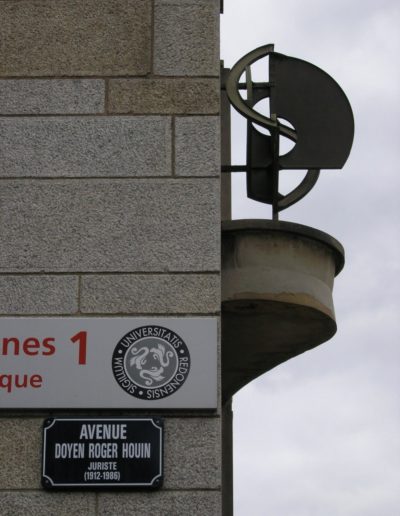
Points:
(151, 362)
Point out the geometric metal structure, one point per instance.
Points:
(320, 120)
(277, 277)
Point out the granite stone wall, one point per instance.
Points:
(110, 204)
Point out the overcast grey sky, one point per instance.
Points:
(320, 434)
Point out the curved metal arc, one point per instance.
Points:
(232, 89)
(240, 105)
(284, 130)
(300, 191)
(249, 84)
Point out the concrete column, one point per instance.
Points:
(110, 204)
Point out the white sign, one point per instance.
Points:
(108, 362)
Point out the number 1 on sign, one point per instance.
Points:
(81, 339)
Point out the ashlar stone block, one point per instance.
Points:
(110, 225)
(51, 96)
(194, 48)
(197, 146)
(150, 293)
(192, 460)
(39, 294)
(161, 503)
(164, 96)
(85, 146)
(75, 38)
(41, 503)
(20, 455)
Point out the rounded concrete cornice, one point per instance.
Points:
(290, 228)
(277, 282)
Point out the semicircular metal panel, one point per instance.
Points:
(317, 108)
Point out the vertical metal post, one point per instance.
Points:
(226, 202)
(275, 170)
(227, 459)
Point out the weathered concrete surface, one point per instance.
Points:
(71, 37)
(84, 147)
(277, 281)
(279, 267)
(164, 96)
(51, 96)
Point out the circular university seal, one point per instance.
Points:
(151, 362)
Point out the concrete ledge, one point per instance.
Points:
(277, 261)
(272, 227)
(277, 281)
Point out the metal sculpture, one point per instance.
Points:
(312, 102)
